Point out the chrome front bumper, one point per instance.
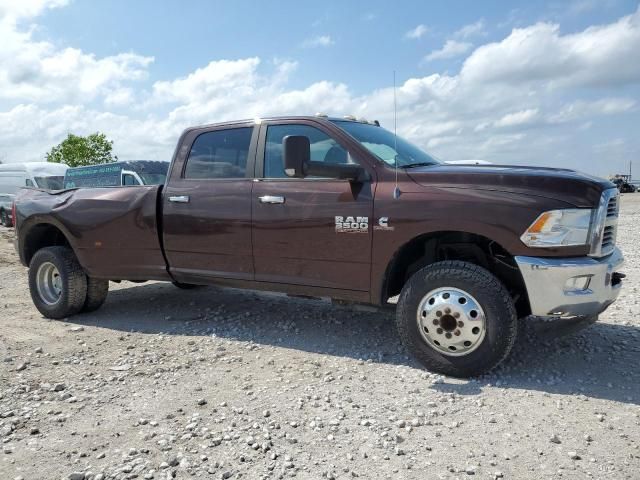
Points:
(571, 287)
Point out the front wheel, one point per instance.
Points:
(57, 283)
(456, 318)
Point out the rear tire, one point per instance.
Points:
(97, 291)
(57, 283)
(456, 318)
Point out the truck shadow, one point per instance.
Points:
(600, 362)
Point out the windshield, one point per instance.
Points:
(383, 144)
(50, 183)
(153, 178)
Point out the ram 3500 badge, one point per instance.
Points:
(352, 224)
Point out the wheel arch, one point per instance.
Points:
(36, 235)
(432, 247)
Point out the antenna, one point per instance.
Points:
(396, 190)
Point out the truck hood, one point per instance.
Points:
(576, 188)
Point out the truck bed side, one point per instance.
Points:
(114, 231)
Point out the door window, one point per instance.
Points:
(219, 154)
(128, 179)
(323, 148)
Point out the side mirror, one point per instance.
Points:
(297, 153)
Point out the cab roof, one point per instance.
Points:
(315, 118)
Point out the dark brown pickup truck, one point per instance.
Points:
(343, 209)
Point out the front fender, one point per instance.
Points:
(498, 216)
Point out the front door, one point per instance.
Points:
(207, 206)
(311, 231)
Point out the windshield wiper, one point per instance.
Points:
(417, 164)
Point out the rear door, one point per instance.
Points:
(207, 205)
(311, 231)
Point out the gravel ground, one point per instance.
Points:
(163, 383)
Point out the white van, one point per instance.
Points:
(49, 176)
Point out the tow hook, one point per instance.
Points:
(616, 278)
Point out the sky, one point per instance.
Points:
(552, 83)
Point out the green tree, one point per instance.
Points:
(78, 151)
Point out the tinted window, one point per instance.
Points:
(385, 145)
(49, 183)
(323, 148)
(219, 154)
(128, 179)
(103, 175)
(153, 178)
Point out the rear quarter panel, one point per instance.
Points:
(113, 231)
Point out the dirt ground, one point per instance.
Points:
(164, 383)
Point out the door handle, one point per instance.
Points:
(179, 199)
(271, 199)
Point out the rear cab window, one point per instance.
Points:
(219, 154)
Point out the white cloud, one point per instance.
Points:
(522, 117)
(471, 30)
(581, 109)
(318, 41)
(121, 97)
(511, 101)
(212, 82)
(28, 131)
(38, 71)
(599, 55)
(451, 49)
(417, 32)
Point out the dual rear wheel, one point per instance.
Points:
(60, 288)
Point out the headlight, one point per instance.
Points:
(559, 228)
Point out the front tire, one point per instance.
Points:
(57, 283)
(456, 318)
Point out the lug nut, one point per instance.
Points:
(438, 313)
(439, 331)
(447, 310)
(448, 335)
(456, 315)
(456, 333)
(436, 321)
(460, 323)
